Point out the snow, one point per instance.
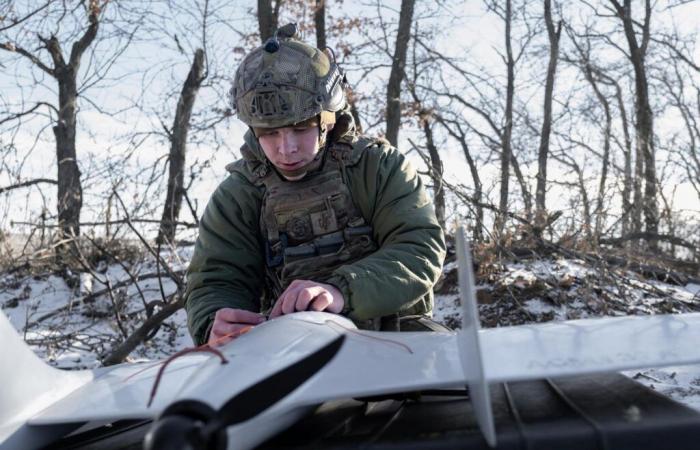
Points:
(693, 289)
(71, 333)
(71, 330)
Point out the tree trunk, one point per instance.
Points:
(70, 193)
(508, 129)
(320, 23)
(118, 355)
(178, 148)
(436, 171)
(607, 132)
(627, 205)
(586, 203)
(267, 18)
(460, 136)
(541, 189)
(588, 71)
(643, 114)
(527, 195)
(393, 91)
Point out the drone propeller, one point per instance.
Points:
(192, 424)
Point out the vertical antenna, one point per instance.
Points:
(468, 342)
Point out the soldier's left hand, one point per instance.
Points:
(306, 295)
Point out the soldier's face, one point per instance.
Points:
(290, 149)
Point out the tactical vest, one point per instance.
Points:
(311, 226)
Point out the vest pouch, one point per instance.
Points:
(315, 262)
(312, 227)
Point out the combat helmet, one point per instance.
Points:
(286, 81)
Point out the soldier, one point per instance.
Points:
(313, 216)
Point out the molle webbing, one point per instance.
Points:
(311, 226)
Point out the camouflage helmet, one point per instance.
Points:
(286, 81)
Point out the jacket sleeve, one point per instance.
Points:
(390, 194)
(226, 270)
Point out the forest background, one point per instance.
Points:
(545, 127)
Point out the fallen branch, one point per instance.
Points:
(118, 354)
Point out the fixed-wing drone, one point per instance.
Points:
(284, 368)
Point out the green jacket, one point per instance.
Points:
(227, 268)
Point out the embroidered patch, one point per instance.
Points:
(324, 222)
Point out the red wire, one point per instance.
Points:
(208, 348)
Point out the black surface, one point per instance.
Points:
(607, 411)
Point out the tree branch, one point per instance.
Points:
(26, 183)
(10, 47)
(85, 41)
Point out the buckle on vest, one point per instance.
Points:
(274, 254)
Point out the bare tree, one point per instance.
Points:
(688, 106)
(436, 167)
(393, 89)
(454, 128)
(65, 72)
(643, 114)
(595, 78)
(178, 147)
(268, 15)
(320, 23)
(630, 183)
(506, 147)
(554, 34)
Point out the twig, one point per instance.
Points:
(116, 310)
(173, 276)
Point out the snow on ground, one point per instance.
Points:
(70, 333)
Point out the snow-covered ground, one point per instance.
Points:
(71, 329)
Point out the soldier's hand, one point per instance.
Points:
(306, 295)
(230, 323)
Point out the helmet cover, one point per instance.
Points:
(286, 81)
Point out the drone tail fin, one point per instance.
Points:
(27, 384)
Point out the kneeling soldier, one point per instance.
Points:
(313, 216)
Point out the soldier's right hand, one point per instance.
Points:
(229, 323)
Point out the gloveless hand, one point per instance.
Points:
(306, 295)
(229, 323)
